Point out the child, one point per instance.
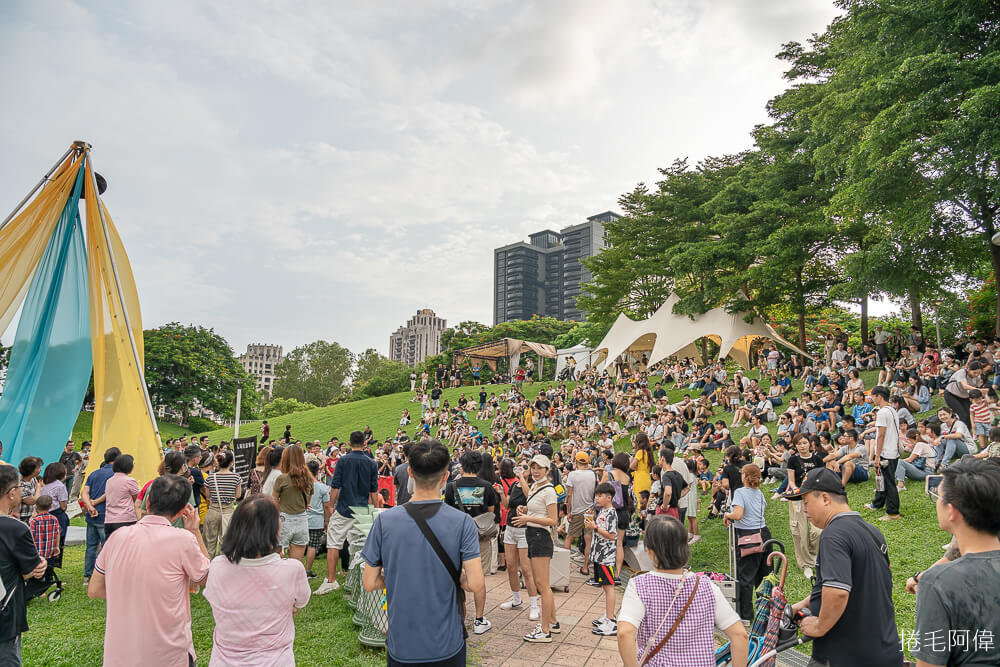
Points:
(704, 476)
(982, 416)
(644, 506)
(992, 450)
(692, 501)
(602, 554)
(318, 517)
(45, 529)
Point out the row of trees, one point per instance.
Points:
(877, 176)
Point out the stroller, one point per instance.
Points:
(776, 625)
(36, 588)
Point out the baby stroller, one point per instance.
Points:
(776, 625)
(36, 588)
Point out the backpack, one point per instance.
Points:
(618, 500)
(486, 524)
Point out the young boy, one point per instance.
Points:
(704, 476)
(602, 554)
(982, 417)
(45, 528)
(317, 516)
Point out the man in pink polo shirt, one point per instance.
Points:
(145, 572)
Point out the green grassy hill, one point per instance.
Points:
(84, 428)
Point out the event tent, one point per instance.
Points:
(665, 334)
(505, 348)
(582, 354)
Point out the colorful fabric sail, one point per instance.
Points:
(50, 360)
(121, 415)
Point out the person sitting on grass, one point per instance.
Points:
(602, 555)
(850, 459)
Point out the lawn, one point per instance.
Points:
(84, 428)
(70, 631)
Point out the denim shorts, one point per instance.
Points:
(983, 429)
(294, 530)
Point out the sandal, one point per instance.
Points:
(585, 572)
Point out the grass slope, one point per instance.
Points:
(70, 632)
(84, 428)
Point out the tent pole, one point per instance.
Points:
(38, 185)
(121, 300)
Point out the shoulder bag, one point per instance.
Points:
(752, 543)
(432, 539)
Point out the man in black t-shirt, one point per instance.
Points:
(18, 559)
(436, 396)
(672, 483)
(853, 620)
(71, 459)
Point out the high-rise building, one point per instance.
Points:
(544, 276)
(419, 339)
(260, 361)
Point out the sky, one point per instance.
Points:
(287, 172)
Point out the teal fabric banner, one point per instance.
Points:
(50, 361)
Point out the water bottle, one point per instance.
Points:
(879, 481)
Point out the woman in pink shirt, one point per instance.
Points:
(119, 496)
(254, 592)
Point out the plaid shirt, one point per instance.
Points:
(46, 533)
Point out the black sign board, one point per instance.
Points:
(245, 454)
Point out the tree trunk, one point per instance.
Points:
(704, 351)
(864, 319)
(801, 309)
(918, 321)
(995, 259)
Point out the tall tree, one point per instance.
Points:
(315, 373)
(189, 364)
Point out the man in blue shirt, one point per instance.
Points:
(425, 623)
(355, 482)
(94, 488)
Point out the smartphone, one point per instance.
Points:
(932, 483)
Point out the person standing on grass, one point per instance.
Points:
(119, 496)
(71, 459)
(319, 512)
(224, 487)
(19, 560)
(747, 517)
(53, 486)
(425, 601)
(151, 622)
(580, 486)
(886, 455)
(604, 526)
(92, 496)
(853, 619)
(962, 596)
(355, 482)
(292, 491)
(254, 593)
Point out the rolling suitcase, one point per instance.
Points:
(559, 568)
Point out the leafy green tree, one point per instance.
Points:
(388, 377)
(315, 373)
(366, 366)
(284, 406)
(185, 364)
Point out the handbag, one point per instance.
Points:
(750, 544)
(649, 656)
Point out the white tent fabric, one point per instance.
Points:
(665, 334)
(581, 353)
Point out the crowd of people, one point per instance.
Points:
(590, 467)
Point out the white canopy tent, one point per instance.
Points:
(581, 354)
(665, 334)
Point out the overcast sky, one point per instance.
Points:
(284, 172)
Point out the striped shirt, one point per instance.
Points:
(981, 413)
(222, 487)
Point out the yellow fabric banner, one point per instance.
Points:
(23, 240)
(121, 415)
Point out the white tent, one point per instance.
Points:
(665, 334)
(580, 353)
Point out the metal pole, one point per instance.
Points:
(239, 400)
(121, 300)
(40, 183)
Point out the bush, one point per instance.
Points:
(201, 425)
(284, 406)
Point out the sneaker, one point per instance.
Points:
(592, 582)
(310, 574)
(481, 625)
(808, 571)
(868, 506)
(510, 604)
(538, 637)
(890, 517)
(534, 613)
(694, 539)
(597, 623)
(607, 629)
(554, 628)
(326, 587)
(86, 580)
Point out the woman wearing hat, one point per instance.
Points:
(538, 517)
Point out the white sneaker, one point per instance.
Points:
(538, 637)
(694, 539)
(511, 604)
(534, 614)
(607, 629)
(808, 571)
(481, 626)
(326, 587)
(597, 623)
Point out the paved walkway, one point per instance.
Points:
(575, 646)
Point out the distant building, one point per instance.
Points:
(544, 276)
(260, 361)
(419, 339)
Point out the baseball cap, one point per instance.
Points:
(582, 457)
(819, 479)
(541, 460)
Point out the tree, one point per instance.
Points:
(366, 366)
(284, 406)
(387, 377)
(315, 373)
(185, 364)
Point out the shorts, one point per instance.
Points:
(486, 554)
(623, 518)
(338, 529)
(858, 475)
(317, 538)
(294, 530)
(983, 429)
(772, 364)
(577, 526)
(515, 536)
(604, 574)
(539, 542)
